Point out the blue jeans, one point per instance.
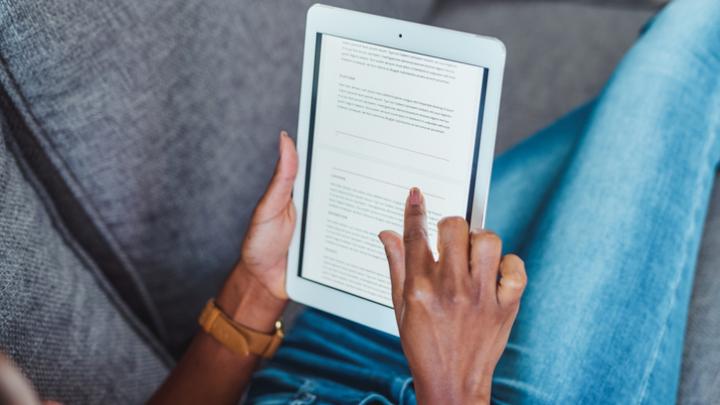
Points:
(607, 207)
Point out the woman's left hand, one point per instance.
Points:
(259, 277)
(254, 296)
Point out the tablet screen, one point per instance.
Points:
(382, 121)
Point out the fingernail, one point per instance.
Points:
(415, 196)
(283, 134)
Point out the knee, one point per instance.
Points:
(688, 29)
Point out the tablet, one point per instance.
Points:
(385, 105)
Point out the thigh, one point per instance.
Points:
(611, 254)
(525, 177)
(325, 359)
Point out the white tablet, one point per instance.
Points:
(385, 105)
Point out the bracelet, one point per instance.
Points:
(239, 338)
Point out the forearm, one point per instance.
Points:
(209, 372)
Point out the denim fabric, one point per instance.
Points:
(606, 206)
(328, 360)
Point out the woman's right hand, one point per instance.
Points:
(454, 314)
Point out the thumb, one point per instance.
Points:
(278, 193)
(395, 252)
(513, 280)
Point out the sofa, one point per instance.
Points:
(137, 137)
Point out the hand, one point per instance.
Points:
(259, 277)
(265, 249)
(454, 315)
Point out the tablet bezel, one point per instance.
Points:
(457, 46)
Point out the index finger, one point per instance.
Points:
(415, 236)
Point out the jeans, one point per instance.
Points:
(606, 206)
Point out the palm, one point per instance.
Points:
(265, 249)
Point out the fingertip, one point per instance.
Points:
(515, 259)
(453, 223)
(415, 209)
(415, 197)
(485, 244)
(513, 280)
(288, 154)
(281, 142)
(486, 236)
(285, 136)
(392, 242)
(285, 140)
(515, 266)
(452, 242)
(389, 238)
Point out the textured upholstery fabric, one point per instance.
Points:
(58, 320)
(161, 119)
(701, 360)
(612, 3)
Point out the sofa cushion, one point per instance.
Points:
(153, 125)
(700, 383)
(59, 320)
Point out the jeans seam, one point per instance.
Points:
(706, 170)
(403, 389)
(374, 397)
(305, 394)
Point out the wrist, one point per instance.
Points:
(444, 397)
(436, 392)
(248, 302)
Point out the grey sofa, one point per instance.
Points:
(137, 137)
